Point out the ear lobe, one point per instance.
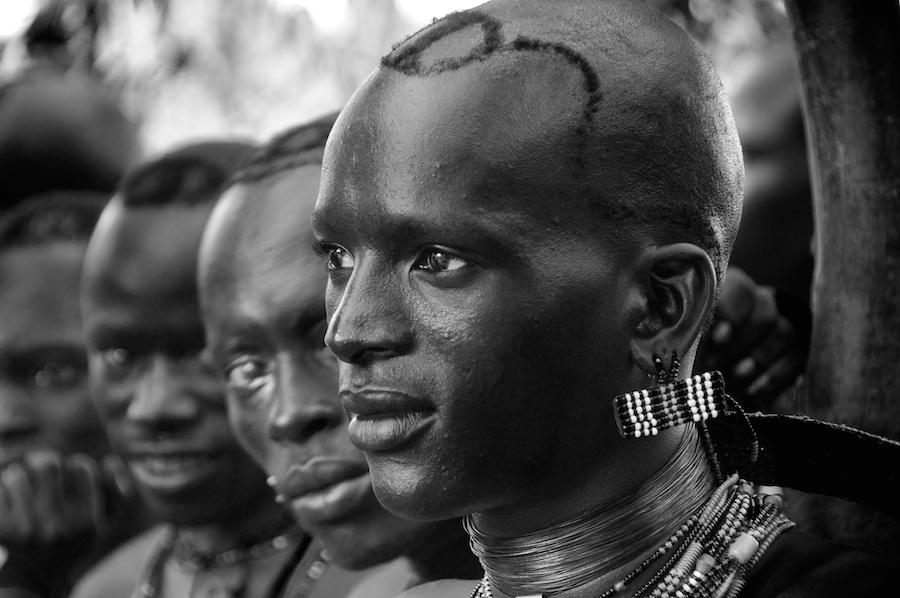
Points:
(679, 283)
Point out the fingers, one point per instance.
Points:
(45, 470)
(86, 489)
(780, 376)
(733, 341)
(17, 522)
(46, 498)
(778, 341)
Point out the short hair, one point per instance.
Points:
(52, 217)
(655, 120)
(191, 175)
(298, 146)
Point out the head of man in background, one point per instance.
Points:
(162, 403)
(58, 513)
(44, 399)
(161, 400)
(262, 288)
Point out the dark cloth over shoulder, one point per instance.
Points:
(799, 565)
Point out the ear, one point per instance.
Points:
(678, 283)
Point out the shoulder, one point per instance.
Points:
(117, 575)
(799, 565)
(385, 581)
(446, 588)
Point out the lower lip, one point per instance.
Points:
(171, 474)
(334, 502)
(383, 433)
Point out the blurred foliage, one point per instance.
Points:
(198, 68)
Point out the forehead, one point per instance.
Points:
(503, 134)
(142, 263)
(39, 293)
(258, 260)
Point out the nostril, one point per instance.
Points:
(314, 427)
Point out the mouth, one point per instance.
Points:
(326, 490)
(385, 420)
(172, 472)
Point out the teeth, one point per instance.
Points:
(169, 465)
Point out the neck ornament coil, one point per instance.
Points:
(572, 553)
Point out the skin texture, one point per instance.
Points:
(44, 399)
(478, 290)
(263, 289)
(151, 380)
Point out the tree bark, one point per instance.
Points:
(849, 54)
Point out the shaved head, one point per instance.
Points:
(526, 200)
(632, 116)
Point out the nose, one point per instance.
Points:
(368, 324)
(162, 397)
(306, 403)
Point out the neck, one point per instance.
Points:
(446, 556)
(614, 537)
(259, 522)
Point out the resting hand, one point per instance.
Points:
(53, 511)
(757, 347)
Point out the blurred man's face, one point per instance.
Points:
(163, 402)
(263, 293)
(44, 399)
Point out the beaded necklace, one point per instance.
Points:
(308, 553)
(712, 551)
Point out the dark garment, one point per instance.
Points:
(798, 565)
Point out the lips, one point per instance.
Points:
(324, 490)
(382, 420)
(174, 471)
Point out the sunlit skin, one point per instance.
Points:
(44, 399)
(263, 292)
(445, 289)
(485, 298)
(162, 400)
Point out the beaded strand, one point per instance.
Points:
(713, 550)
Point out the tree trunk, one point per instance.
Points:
(849, 53)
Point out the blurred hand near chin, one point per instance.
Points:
(759, 340)
(55, 510)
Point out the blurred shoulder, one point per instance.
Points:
(117, 575)
(445, 588)
(800, 565)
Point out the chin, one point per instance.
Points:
(417, 497)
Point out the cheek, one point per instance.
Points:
(249, 429)
(72, 416)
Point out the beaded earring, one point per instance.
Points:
(673, 403)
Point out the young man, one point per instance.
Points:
(527, 212)
(262, 288)
(162, 401)
(59, 513)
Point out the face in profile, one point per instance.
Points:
(263, 292)
(44, 399)
(477, 318)
(161, 399)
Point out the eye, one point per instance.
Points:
(249, 375)
(118, 358)
(58, 375)
(437, 261)
(338, 258)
